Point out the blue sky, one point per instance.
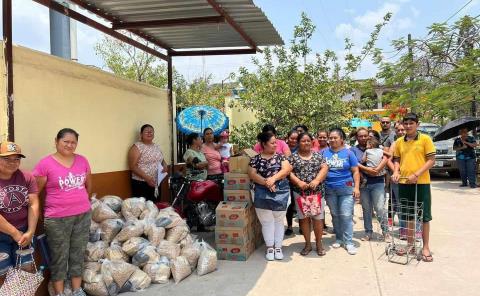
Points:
(334, 20)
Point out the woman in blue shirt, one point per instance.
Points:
(465, 148)
(342, 188)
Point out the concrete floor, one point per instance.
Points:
(454, 241)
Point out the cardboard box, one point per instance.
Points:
(249, 152)
(233, 235)
(238, 164)
(237, 196)
(233, 214)
(235, 252)
(236, 181)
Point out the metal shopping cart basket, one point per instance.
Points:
(405, 241)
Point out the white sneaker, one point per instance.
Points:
(351, 249)
(337, 244)
(278, 254)
(270, 256)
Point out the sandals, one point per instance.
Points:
(427, 258)
(366, 238)
(321, 251)
(305, 251)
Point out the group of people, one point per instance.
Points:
(65, 179)
(341, 174)
(282, 171)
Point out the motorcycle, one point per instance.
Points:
(195, 200)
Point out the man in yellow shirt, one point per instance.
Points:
(414, 155)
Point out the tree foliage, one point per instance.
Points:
(288, 87)
(439, 78)
(130, 62)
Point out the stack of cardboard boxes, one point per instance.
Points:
(238, 231)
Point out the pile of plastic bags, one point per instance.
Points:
(132, 244)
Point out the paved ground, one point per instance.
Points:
(455, 244)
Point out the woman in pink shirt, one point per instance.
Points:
(212, 154)
(282, 147)
(65, 176)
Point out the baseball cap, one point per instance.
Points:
(10, 148)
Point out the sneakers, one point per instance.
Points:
(337, 244)
(278, 254)
(270, 256)
(79, 292)
(351, 249)
(288, 232)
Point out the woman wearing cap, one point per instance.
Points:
(19, 208)
(144, 158)
(65, 176)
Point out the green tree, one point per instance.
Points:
(200, 92)
(130, 62)
(439, 77)
(287, 89)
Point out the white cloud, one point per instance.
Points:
(414, 11)
(371, 18)
(359, 29)
(404, 23)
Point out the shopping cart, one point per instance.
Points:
(405, 242)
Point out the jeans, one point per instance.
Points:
(9, 248)
(272, 226)
(341, 202)
(373, 198)
(467, 170)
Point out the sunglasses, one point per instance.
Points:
(385, 122)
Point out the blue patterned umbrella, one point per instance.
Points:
(196, 118)
(357, 122)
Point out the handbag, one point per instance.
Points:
(310, 205)
(19, 282)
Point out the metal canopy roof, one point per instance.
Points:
(190, 24)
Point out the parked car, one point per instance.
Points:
(445, 158)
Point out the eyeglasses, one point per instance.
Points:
(385, 122)
(11, 160)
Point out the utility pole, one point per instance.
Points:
(410, 57)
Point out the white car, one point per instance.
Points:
(445, 158)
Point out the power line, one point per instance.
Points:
(466, 4)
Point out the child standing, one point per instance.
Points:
(226, 150)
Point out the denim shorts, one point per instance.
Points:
(9, 247)
(275, 201)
